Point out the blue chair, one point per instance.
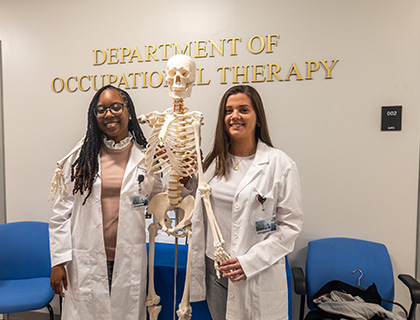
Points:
(25, 267)
(339, 259)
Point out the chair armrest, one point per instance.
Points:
(413, 285)
(299, 282)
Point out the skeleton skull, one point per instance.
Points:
(180, 76)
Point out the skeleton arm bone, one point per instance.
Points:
(205, 191)
(219, 253)
(150, 118)
(57, 182)
(185, 311)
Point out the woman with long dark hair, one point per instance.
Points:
(256, 200)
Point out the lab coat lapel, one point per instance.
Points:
(260, 161)
(136, 157)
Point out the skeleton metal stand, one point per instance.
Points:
(175, 265)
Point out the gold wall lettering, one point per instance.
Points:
(256, 73)
(198, 49)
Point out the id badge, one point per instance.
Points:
(140, 201)
(264, 226)
(264, 222)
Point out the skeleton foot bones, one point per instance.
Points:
(174, 147)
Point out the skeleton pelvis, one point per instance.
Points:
(160, 205)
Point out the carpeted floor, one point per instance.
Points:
(31, 316)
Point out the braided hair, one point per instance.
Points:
(86, 166)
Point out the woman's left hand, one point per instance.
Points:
(232, 269)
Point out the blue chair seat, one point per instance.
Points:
(24, 294)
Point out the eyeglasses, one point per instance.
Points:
(115, 108)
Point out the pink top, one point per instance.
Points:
(113, 164)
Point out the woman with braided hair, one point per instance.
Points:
(97, 233)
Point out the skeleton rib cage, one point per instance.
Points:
(171, 144)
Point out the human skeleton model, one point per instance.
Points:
(174, 147)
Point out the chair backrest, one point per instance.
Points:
(337, 258)
(24, 250)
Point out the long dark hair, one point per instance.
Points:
(85, 168)
(222, 140)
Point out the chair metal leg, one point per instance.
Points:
(302, 307)
(51, 311)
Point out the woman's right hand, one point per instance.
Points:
(232, 269)
(58, 279)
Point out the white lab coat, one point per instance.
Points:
(76, 239)
(263, 296)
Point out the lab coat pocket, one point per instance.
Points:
(80, 275)
(138, 274)
(274, 295)
(273, 305)
(263, 217)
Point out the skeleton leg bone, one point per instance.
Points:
(152, 300)
(184, 312)
(158, 206)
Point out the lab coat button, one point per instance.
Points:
(235, 235)
(237, 206)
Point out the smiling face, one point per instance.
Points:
(240, 119)
(114, 127)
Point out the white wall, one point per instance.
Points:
(2, 178)
(357, 181)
